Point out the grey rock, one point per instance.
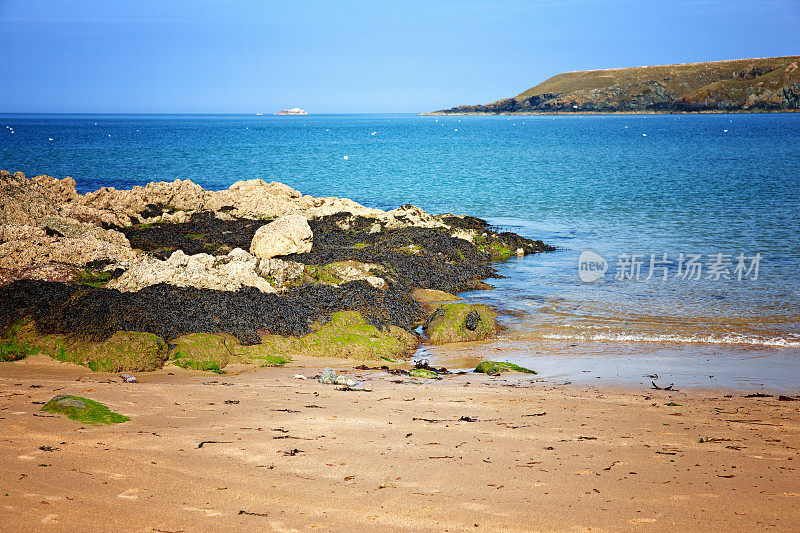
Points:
(65, 401)
(472, 320)
(328, 376)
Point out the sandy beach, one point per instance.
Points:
(264, 450)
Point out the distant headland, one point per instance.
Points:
(740, 85)
(292, 111)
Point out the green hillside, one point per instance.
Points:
(766, 84)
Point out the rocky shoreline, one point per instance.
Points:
(171, 273)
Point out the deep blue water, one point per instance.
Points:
(623, 184)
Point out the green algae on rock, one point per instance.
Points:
(346, 335)
(496, 367)
(10, 347)
(214, 351)
(124, 351)
(423, 373)
(83, 410)
(456, 322)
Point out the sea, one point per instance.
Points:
(678, 236)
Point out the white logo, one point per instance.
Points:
(591, 266)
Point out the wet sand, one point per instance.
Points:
(538, 457)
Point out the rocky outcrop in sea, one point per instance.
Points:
(258, 262)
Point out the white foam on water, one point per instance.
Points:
(729, 338)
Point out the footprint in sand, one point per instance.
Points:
(130, 494)
(110, 475)
(207, 512)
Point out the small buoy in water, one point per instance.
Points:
(346, 157)
(455, 129)
(109, 135)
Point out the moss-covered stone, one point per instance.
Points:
(423, 373)
(83, 410)
(456, 322)
(346, 335)
(125, 351)
(496, 367)
(203, 351)
(11, 349)
(214, 351)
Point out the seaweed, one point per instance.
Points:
(96, 313)
(204, 233)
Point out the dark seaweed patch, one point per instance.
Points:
(169, 312)
(417, 257)
(204, 233)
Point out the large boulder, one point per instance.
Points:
(285, 235)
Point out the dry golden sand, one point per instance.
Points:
(397, 457)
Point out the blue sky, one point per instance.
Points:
(171, 56)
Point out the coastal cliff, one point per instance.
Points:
(742, 85)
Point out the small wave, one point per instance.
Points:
(730, 338)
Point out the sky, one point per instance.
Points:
(343, 56)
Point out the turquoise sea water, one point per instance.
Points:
(624, 184)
